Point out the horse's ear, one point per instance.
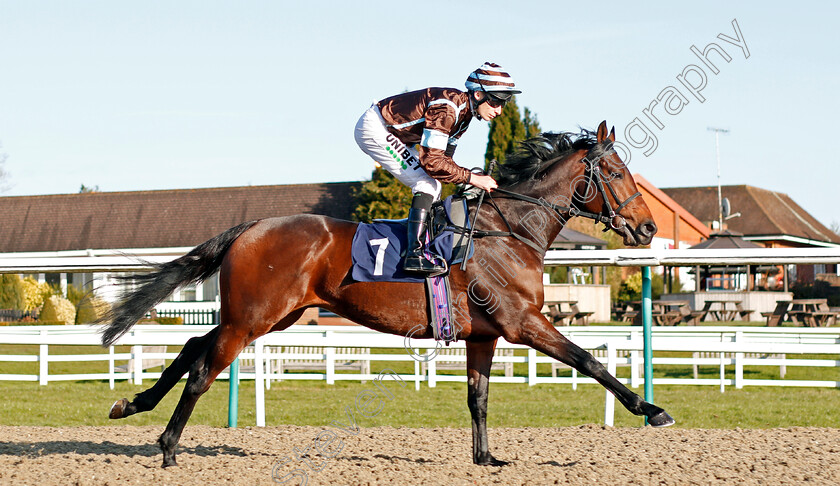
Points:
(602, 131)
(612, 134)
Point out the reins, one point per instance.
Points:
(611, 218)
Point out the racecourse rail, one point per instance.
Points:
(738, 346)
(733, 345)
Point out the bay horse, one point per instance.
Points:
(270, 270)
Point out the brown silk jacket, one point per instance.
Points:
(435, 118)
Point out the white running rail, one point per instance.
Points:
(737, 346)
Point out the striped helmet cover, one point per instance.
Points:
(491, 77)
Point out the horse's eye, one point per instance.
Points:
(617, 175)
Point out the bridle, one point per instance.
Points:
(611, 217)
(616, 220)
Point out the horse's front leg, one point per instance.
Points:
(479, 360)
(536, 332)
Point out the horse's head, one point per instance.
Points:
(583, 173)
(606, 188)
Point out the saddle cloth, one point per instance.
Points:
(379, 247)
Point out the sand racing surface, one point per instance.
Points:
(589, 454)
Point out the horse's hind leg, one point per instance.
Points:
(479, 361)
(223, 347)
(222, 350)
(148, 399)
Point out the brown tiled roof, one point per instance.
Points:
(156, 219)
(763, 212)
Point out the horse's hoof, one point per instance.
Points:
(169, 463)
(118, 409)
(661, 419)
(491, 461)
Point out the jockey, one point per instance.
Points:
(434, 118)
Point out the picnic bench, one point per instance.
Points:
(276, 365)
(625, 312)
(443, 360)
(574, 315)
(664, 313)
(805, 312)
(710, 354)
(727, 310)
(147, 363)
(668, 312)
(692, 317)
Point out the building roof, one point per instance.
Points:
(684, 213)
(569, 239)
(156, 219)
(763, 212)
(725, 240)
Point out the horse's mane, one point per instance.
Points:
(533, 156)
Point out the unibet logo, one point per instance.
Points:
(397, 158)
(400, 152)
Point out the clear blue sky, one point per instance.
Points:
(160, 95)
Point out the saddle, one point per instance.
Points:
(378, 249)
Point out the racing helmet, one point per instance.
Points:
(492, 80)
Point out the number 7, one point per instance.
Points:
(382, 243)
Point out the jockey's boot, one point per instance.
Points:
(415, 260)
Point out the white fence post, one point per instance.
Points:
(532, 366)
(609, 401)
(417, 376)
(259, 368)
(329, 352)
(43, 364)
(111, 367)
(635, 379)
(739, 363)
(739, 370)
(431, 369)
(137, 369)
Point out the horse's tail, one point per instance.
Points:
(195, 266)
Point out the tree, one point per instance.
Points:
(12, 293)
(88, 189)
(507, 129)
(383, 196)
(532, 126)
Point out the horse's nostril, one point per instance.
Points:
(648, 229)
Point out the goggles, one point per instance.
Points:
(496, 101)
